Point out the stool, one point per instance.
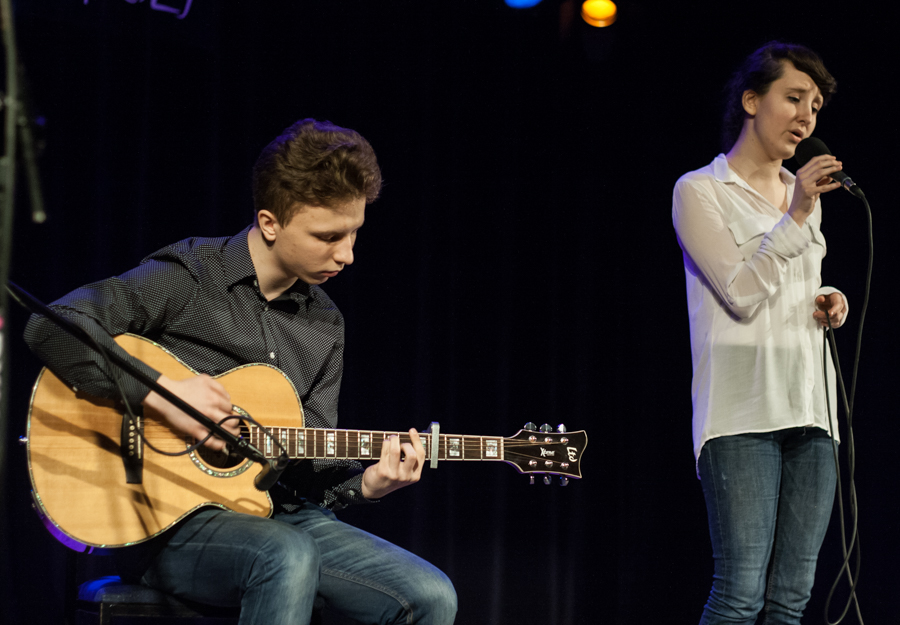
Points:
(103, 599)
(107, 600)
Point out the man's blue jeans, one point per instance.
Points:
(275, 568)
(769, 498)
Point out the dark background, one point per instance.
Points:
(520, 265)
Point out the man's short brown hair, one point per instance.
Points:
(314, 163)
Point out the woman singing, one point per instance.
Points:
(753, 253)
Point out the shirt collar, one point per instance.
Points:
(724, 173)
(239, 268)
(238, 264)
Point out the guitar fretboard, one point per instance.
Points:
(313, 443)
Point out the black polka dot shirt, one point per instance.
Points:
(199, 298)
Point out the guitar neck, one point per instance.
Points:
(315, 443)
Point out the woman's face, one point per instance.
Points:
(785, 115)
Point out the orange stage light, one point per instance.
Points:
(598, 13)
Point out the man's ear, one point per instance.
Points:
(750, 101)
(268, 225)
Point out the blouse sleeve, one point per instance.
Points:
(715, 248)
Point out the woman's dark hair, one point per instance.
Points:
(757, 74)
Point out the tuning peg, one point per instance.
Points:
(531, 427)
(546, 428)
(564, 481)
(531, 480)
(561, 428)
(547, 480)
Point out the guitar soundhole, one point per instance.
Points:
(223, 460)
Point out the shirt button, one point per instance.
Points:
(272, 355)
(351, 492)
(255, 283)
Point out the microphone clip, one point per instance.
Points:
(270, 473)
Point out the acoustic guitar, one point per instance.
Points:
(76, 444)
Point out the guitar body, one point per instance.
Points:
(77, 471)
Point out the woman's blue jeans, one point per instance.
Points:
(275, 568)
(769, 498)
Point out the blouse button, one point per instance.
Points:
(272, 355)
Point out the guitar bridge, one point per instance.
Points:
(131, 447)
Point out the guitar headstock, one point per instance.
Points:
(543, 451)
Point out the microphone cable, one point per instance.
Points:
(854, 543)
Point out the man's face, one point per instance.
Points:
(317, 242)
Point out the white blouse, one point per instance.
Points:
(752, 278)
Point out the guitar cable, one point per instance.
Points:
(271, 469)
(266, 478)
(132, 419)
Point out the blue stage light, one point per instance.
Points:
(522, 4)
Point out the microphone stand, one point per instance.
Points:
(13, 117)
(271, 470)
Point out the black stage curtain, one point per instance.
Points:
(520, 265)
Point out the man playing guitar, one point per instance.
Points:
(218, 304)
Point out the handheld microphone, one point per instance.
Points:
(812, 147)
